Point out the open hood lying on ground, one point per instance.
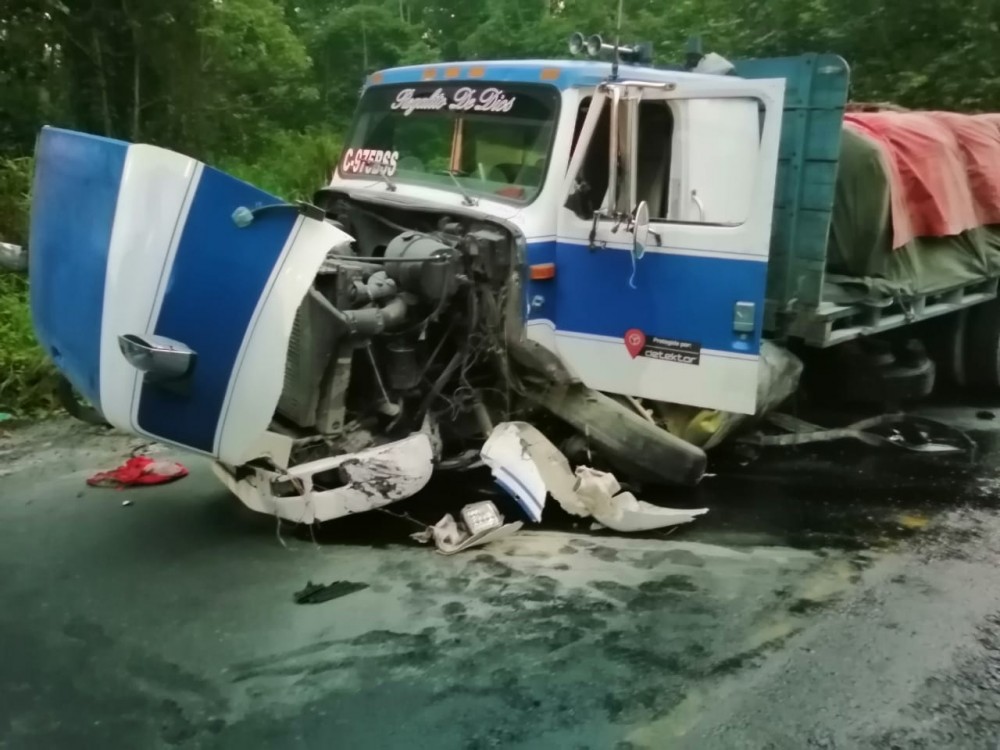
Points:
(165, 290)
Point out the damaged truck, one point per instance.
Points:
(623, 255)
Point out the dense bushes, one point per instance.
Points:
(291, 165)
(26, 378)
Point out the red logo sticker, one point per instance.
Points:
(635, 341)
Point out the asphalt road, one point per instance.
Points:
(833, 597)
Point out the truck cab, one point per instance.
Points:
(566, 154)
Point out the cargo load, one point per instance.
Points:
(917, 206)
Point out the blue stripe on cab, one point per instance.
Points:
(220, 272)
(686, 297)
(73, 201)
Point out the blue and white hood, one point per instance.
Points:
(137, 240)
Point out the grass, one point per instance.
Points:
(27, 378)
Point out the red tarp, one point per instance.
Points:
(944, 170)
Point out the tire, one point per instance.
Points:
(982, 347)
(76, 407)
(945, 338)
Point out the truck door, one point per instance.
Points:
(165, 290)
(677, 317)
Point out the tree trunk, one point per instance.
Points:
(136, 99)
(102, 83)
(364, 46)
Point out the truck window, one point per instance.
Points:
(655, 138)
(493, 138)
(704, 169)
(592, 181)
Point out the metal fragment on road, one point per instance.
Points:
(527, 465)
(481, 524)
(481, 517)
(315, 593)
(508, 455)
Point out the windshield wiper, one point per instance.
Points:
(389, 184)
(467, 199)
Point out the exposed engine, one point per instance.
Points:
(402, 333)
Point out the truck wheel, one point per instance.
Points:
(982, 347)
(945, 339)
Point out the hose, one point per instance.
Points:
(455, 361)
(442, 301)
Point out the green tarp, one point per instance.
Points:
(861, 264)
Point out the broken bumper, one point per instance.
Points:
(367, 480)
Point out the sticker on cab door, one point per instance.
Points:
(638, 344)
(365, 161)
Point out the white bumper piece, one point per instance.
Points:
(369, 479)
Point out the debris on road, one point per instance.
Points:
(508, 453)
(906, 431)
(317, 593)
(527, 465)
(778, 376)
(601, 494)
(481, 524)
(126, 503)
(139, 471)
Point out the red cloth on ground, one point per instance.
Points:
(137, 471)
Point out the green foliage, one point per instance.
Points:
(265, 88)
(27, 379)
(15, 186)
(290, 165)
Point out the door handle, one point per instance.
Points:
(157, 356)
(699, 204)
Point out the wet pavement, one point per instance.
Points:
(835, 596)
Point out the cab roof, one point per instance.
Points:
(563, 74)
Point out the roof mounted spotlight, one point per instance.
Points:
(596, 45)
(593, 45)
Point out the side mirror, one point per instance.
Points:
(640, 230)
(157, 356)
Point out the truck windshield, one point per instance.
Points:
(493, 139)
